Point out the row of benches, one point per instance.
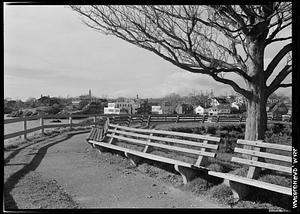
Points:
(190, 153)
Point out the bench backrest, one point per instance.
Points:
(259, 151)
(200, 145)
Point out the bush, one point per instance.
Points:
(222, 193)
(215, 167)
(211, 130)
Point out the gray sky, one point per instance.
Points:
(49, 51)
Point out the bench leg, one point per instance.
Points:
(239, 190)
(134, 160)
(186, 173)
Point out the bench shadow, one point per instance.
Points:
(9, 202)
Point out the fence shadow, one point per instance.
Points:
(9, 202)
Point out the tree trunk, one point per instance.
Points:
(256, 122)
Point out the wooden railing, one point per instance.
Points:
(42, 125)
(126, 119)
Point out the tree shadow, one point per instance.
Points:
(9, 202)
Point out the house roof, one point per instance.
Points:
(222, 100)
(274, 106)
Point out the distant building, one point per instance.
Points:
(219, 109)
(167, 108)
(200, 110)
(124, 106)
(156, 110)
(277, 109)
(184, 109)
(215, 101)
(111, 109)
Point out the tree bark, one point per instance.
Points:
(256, 122)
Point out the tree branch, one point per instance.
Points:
(272, 65)
(276, 83)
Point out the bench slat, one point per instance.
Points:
(265, 145)
(264, 154)
(141, 154)
(180, 149)
(93, 131)
(197, 136)
(248, 181)
(262, 164)
(172, 140)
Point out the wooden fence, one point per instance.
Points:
(126, 119)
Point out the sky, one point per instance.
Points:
(49, 51)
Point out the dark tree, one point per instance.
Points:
(216, 40)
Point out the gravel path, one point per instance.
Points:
(65, 172)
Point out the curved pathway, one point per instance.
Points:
(96, 180)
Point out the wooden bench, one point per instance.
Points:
(186, 154)
(258, 152)
(96, 134)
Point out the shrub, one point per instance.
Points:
(222, 193)
(211, 130)
(215, 167)
(276, 179)
(240, 171)
(197, 185)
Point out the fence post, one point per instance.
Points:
(95, 119)
(70, 122)
(42, 124)
(149, 119)
(25, 128)
(203, 119)
(218, 118)
(177, 119)
(241, 118)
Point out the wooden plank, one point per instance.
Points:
(94, 134)
(166, 139)
(262, 164)
(91, 133)
(252, 182)
(265, 145)
(98, 134)
(14, 120)
(264, 155)
(16, 134)
(201, 159)
(34, 129)
(197, 136)
(141, 154)
(111, 137)
(175, 148)
(147, 145)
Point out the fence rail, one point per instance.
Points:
(119, 119)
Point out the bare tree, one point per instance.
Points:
(216, 40)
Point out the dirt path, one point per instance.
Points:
(70, 174)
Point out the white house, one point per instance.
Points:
(200, 110)
(223, 109)
(213, 111)
(111, 109)
(156, 109)
(220, 109)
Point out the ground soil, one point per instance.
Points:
(66, 172)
